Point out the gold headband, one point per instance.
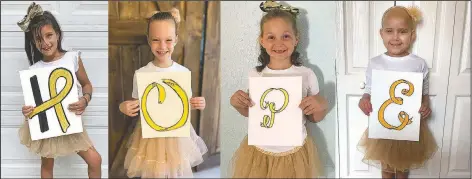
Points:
(33, 11)
(272, 5)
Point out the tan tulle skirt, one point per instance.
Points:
(398, 155)
(170, 157)
(253, 162)
(55, 146)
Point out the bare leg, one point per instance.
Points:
(386, 174)
(94, 162)
(47, 166)
(402, 174)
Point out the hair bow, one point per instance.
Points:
(271, 5)
(33, 11)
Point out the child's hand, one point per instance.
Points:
(79, 106)
(240, 99)
(27, 110)
(313, 104)
(365, 105)
(425, 111)
(130, 107)
(197, 103)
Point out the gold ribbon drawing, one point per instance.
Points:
(56, 99)
(267, 121)
(162, 95)
(403, 117)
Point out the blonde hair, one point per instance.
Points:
(413, 12)
(172, 15)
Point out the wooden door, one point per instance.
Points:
(128, 51)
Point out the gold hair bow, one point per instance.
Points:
(415, 14)
(33, 11)
(271, 5)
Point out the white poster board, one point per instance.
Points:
(276, 118)
(164, 99)
(396, 100)
(50, 90)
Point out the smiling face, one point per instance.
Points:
(278, 38)
(162, 39)
(46, 41)
(397, 32)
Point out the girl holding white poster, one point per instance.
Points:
(279, 37)
(397, 157)
(43, 46)
(162, 157)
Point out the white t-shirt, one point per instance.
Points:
(69, 59)
(409, 63)
(150, 67)
(310, 87)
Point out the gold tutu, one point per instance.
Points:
(55, 146)
(170, 157)
(252, 162)
(398, 155)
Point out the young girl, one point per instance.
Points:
(43, 46)
(278, 41)
(397, 157)
(170, 157)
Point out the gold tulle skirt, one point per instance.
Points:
(398, 155)
(170, 157)
(252, 162)
(55, 146)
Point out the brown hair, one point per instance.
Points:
(264, 57)
(34, 32)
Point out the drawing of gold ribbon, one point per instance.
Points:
(403, 117)
(33, 11)
(267, 121)
(162, 95)
(56, 99)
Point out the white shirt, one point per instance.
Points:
(69, 59)
(309, 85)
(150, 67)
(409, 63)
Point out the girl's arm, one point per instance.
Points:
(241, 102)
(79, 106)
(130, 107)
(198, 103)
(243, 111)
(84, 81)
(319, 115)
(425, 100)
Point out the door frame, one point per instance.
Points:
(340, 55)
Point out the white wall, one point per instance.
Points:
(239, 50)
(85, 26)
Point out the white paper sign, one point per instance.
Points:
(275, 119)
(50, 90)
(396, 100)
(164, 99)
